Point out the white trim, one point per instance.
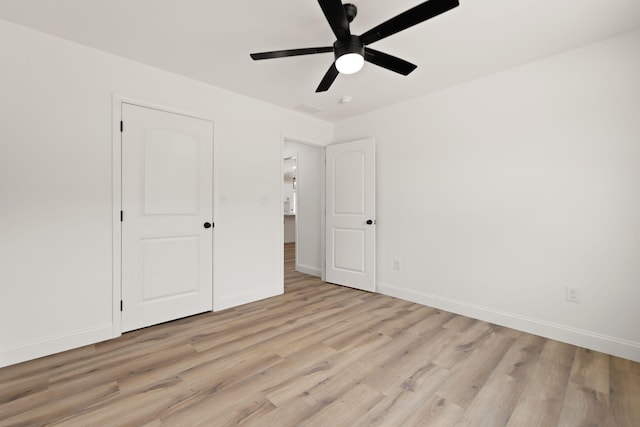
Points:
(296, 217)
(55, 344)
(283, 139)
(299, 141)
(579, 337)
(308, 269)
(216, 197)
(117, 101)
(323, 219)
(116, 207)
(247, 297)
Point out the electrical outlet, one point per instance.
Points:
(397, 264)
(573, 294)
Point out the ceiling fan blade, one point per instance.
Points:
(328, 79)
(388, 61)
(407, 19)
(290, 52)
(337, 18)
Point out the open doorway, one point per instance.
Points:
(289, 190)
(303, 207)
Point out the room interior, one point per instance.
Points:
(508, 163)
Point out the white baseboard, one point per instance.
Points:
(307, 269)
(47, 346)
(245, 298)
(582, 338)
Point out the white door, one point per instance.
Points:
(350, 222)
(167, 201)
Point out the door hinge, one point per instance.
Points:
(121, 126)
(121, 305)
(121, 216)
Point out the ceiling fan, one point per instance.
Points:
(351, 51)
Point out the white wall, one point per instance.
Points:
(310, 205)
(499, 193)
(56, 187)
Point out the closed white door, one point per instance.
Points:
(350, 221)
(167, 201)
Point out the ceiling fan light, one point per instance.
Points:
(350, 63)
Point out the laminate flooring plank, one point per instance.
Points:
(50, 410)
(291, 414)
(470, 374)
(402, 401)
(520, 360)
(494, 403)
(44, 365)
(218, 403)
(541, 401)
(436, 411)
(409, 393)
(511, 333)
(590, 369)
(54, 393)
(404, 320)
(131, 410)
(291, 388)
(19, 388)
(586, 401)
(190, 389)
(266, 330)
(409, 352)
(465, 343)
(366, 323)
(624, 392)
(240, 413)
(584, 407)
(459, 323)
(431, 323)
(317, 329)
(127, 366)
(346, 410)
(278, 336)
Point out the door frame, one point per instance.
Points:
(116, 201)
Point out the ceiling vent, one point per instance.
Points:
(308, 108)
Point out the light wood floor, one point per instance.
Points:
(324, 355)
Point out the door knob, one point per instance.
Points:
(369, 222)
(208, 225)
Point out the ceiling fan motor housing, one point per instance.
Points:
(352, 45)
(351, 10)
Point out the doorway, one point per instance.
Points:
(289, 191)
(303, 206)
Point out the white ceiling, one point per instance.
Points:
(210, 41)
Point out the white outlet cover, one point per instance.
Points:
(573, 294)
